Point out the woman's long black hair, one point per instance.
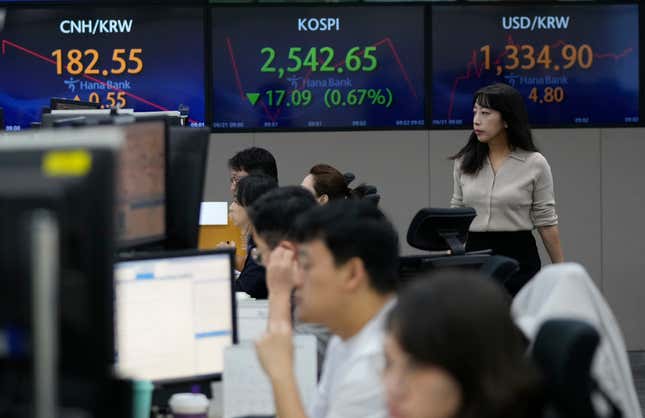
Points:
(509, 102)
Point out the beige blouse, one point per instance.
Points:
(518, 198)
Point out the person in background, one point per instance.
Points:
(326, 183)
(343, 272)
(252, 276)
(465, 359)
(501, 174)
(252, 160)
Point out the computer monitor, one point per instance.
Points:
(175, 315)
(184, 191)
(173, 117)
(84, 117)
(71, 174)
(141, 196)
(57, 103)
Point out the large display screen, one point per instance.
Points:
(318, 67)
(145, 58)
(574, 64)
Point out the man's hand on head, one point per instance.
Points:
(282, 269)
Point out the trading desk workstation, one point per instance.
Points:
(106, 277)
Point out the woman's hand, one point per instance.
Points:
(551, 239)
(226, 244)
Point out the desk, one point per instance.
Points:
(211, 235)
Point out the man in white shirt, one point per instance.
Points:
(343, 273)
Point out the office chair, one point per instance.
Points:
(500, 269)
(363, 191)
(442, 233)
(565, 290)
(564, 350)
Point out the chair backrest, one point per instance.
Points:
(564, 350)
(412, 267)
(565, 290)
(500, 268)
(435, 229)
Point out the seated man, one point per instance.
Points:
(252, 160)
(344, 278)
(273, 216)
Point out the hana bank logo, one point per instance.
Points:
(71, 84)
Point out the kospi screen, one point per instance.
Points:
(574, 64)
(318, 67)
(145, 58)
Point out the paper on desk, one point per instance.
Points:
(247, 390)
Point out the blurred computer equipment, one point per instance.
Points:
(188, 149)
(56, 274)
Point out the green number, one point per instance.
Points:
(306, 97)
(278, 100)
(351, 98)
(293, 55)
(266, 68)
(352, 61)
(296, 97)
(325, 67)
(280, 96)
(310, 59)
(370, 58)
(335, 97)
(362, 92)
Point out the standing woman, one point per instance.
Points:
(501, 174)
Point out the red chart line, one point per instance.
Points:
(274, 117)
(478, 68)
(96, 80)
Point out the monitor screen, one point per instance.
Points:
(314, 67)
(174, 315)
(57, 103)
(149, 58)
(566, 60)
(141, 195)
(188, 150)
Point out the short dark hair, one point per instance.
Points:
(255, 160)
(467, 330)
(251, 188)
(510, 103)
(274, 213)
(355, 228)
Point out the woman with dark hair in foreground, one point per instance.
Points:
(453, 351)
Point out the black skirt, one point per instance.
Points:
(519, 245)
